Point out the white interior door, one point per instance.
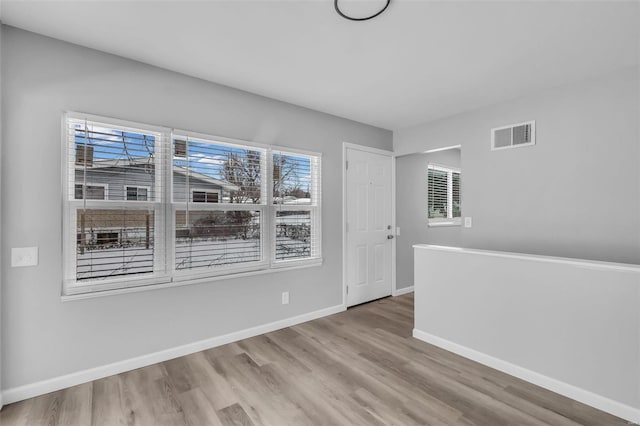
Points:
(369, 226)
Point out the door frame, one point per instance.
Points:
(392, 156)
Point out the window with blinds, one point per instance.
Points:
(296, 200)
(220, 208)
(147, 205)
(114, 192)
(443, 195)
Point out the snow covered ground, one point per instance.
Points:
(112, 262)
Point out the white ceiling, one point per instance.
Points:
(419, 61)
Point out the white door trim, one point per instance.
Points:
(345, 146)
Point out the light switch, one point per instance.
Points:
(24, 256)
(467, 222)
(397, 230)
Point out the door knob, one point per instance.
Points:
(389, 237)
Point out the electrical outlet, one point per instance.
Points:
(467, 222)
(285, 297)
(24, 256)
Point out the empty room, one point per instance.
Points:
(319, 212)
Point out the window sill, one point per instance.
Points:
(163, 283)
(444, 224)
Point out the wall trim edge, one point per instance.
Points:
(403, 290)
(31, 390)
(584, 396)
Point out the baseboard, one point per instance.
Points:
(602, 403)
(403, 290)
(50, 385)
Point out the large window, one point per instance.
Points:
(443, 195)
(146, 205)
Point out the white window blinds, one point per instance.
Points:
(443, 195)
(147, 205)
(219, 205)
(109, 237)
(296, 196)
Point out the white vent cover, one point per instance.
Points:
(514, 135)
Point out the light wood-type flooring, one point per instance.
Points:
(359, 367)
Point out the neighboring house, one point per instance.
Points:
(133, 180)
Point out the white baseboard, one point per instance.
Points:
(50, 385)
(610, 406)
(403, 290)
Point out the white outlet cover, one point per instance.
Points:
(24, 256)
(467, 222)
(285, 298)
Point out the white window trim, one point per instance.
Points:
(206, 191)
(164, 209)
(148, 188)
(450, 220)
(315, 208)
(102, 185)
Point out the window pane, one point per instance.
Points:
(113, 157)
(456, 194)
(132, 193)
(437, 188)
(292, 179)
(142, 194)
(93, 192)
(204, 197)
(207, 239)
(199, 197)
(114, 243)
(233, 172)
(293, 234)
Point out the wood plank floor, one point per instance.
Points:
(359, 367)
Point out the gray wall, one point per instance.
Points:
(411, 209)
(576, 323)
(44, 337)
(576, 193)
(1, 236)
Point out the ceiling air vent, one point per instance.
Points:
(514, 135)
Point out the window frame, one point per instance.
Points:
(315, 208)
(105, 186)
(449, 220)
(126, 191)
(206, 192)
(71, 206)
(161, 203)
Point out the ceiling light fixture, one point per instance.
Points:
(366, 18)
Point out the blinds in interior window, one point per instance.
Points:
(204, 168)
(455, 196)
(443, 193)
(116, 159)
(219, 190)
(296, 194)
(114, 184)
(437, 193)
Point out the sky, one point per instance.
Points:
(205, 157)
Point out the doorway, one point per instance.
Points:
(369, 224)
